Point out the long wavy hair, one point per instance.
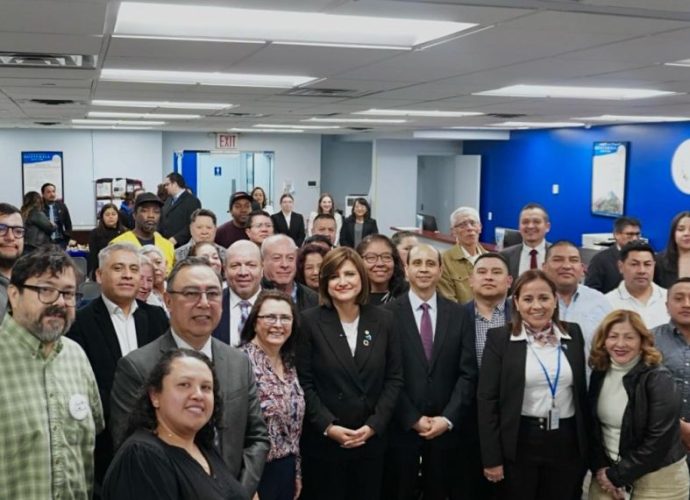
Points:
(31, 201)
(671, 254)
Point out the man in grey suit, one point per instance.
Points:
(531, 253)
(193, 298)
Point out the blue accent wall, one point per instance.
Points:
(524, 169)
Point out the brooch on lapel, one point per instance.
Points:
(367, 338)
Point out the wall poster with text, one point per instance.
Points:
(609, 161)
(40, 167)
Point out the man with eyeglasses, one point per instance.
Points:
(50, 411)
(112, 326)
(194, 297)
(279, 256)
(458, 261)
(202, 227)
(11, 247)
(602, 272)
(259, 227)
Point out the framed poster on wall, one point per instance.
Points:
(39, 167)
(609, 163)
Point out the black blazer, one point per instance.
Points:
(602, 271)
(347, 232)
(63, 215)
(665, 272)
(175, 218)
(502, 387)
(306, 297)
(513, 255)
(444, 386)
(296, 231)
(344, 390)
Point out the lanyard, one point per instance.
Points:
(552, 386)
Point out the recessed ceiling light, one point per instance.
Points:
(161, 104)
(79, 121)
(412, 112)
(303, 127)
(199, 78)
(355, 120)
(538, 124)
(634, 118)
(154, 116)
(269, 130)
(285, 27)
(561, 92)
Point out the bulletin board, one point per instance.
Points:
(609, 161)
(40, 167)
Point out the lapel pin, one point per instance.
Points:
(367, 338)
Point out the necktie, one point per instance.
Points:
(533, 259)
(245, 306)
(426, 332)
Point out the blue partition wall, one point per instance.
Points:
(525, 168)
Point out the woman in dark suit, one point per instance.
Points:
(532, 398)
(358, 224)
(674, 261)
(349, 365)
(288, 222)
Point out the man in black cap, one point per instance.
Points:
(234, 229)
(147, 214)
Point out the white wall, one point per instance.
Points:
(345, 168)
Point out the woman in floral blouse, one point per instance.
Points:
(268, 338)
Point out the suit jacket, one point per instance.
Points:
(296, 231)
(513, 256)
(306, 297)
(602, 272)
(344, 390)
(444, 386)
(347, 232)
(175, 217)
(243, 435)
(65, 225)
(502, 387)
(93, 330)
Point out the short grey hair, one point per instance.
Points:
(460, 211)
(152, 249)
(145, 261)
(104, 254)
(276, 238)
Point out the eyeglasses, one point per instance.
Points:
(372, 258)
(267, 225)
(466, 223)
(193, 296)
(272, 319)
(17, 231)
(48, 295)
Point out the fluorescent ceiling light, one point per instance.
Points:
(538, 124)
(560, 92)
(634, 118)
(161, 104)
(154, 116)
(199, 78)
(108, 127)
(354, 120)
(411, 112)
(682, 62)
(270, 130)
(286, 27)
(303, 127)
(189, 39)
(343, 45)
(484, 127)
(135, 123)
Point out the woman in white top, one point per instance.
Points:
(326, 206)
(532, 400)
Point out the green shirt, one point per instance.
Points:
(50, 413)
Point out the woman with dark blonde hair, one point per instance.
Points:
(532, 401)
(636, 444)
(37, 226)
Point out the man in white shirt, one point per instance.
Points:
(531, 253)
(637, 292)
(243, 270)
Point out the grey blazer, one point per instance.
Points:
(243, 436)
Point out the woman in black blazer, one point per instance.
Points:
(674, 261)
(360, 218)
(295, 229)
(349, 366)
(533, 429)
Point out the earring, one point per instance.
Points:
(155, 404)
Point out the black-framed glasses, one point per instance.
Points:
(194, 295)
(17, 231)
(272, 319)
(48, 295)
(372, 258)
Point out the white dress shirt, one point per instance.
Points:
(526, 258)
(417, 310)
(653, 313)
(287, 219)
(205, 349)
(236, 315)
(125, 329)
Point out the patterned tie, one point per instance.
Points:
(245, 306)
(426, 332)
(533, 259)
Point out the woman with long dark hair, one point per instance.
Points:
(37, 226)
(674, 261)
(385, 270)
(108, 227)
(358, 225)
(309, 260)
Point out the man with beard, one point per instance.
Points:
(147, 214)
(11, 247)
(50, 411)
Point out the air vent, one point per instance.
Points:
(53, 102)
(30, 60)
(506, 116)
(315, 92)
(47, 124)
(359, 129)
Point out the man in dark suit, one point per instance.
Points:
(602, 272)
(530, 254)
(243, 273)
(279, 256)
(58, 214)
(440, 372)
(288, 222)
(113, 325)
(177, 210)
(193, 298)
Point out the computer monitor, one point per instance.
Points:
(511, 237)
(427, 222)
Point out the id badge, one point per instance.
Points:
(553, 419)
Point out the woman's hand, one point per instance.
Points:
(359, 437)
(494, 474)
(298, 488)
(606, 485)
(340, 434)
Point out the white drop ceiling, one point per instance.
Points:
(595, 43)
